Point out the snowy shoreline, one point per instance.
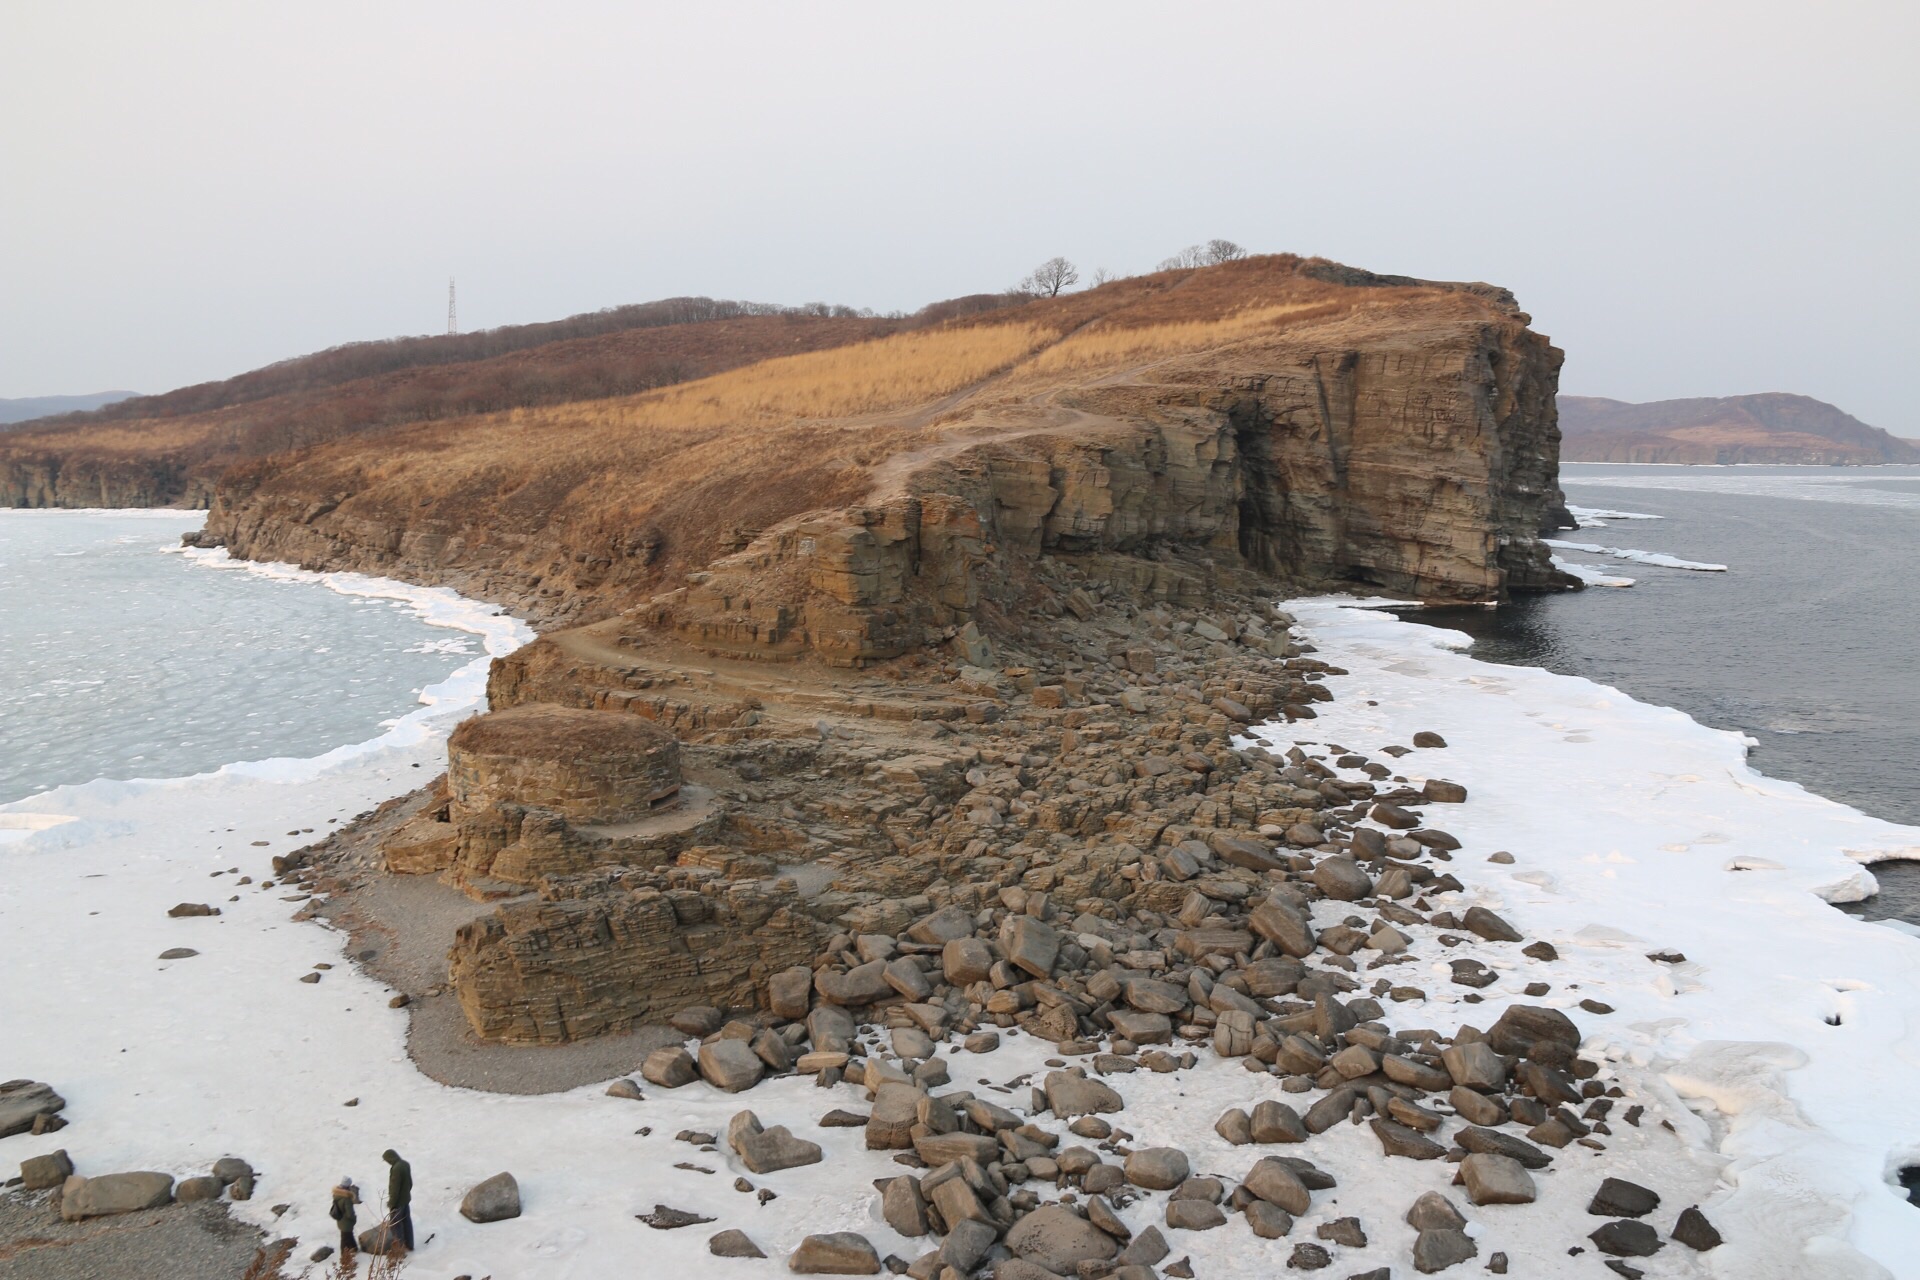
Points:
(1637, 830)
(1634, 829)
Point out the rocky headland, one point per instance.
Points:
(895, 704)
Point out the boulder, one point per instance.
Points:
(1057, 1238)
(1523, 1024)
(1694, 1231)
(1277, 1184)
(967, 1245)
(43, 1173)
(1496, 1179)
(1268, 1221)
(1484, 923)
(1342, 880)
(789, 995)
(495, 1200)
(669, 1068)
(1433, 1211)
(1157, 1168)
(1069, 1095)
(1274, 1121)
(1440, 1248)
(732, 1243)
(112, 1193)
(23, 1101)
(1627, 1239)
(1194, 1215)
(835, 1253)
(1618, 1198)
(731, 1065)
(904, 1207)
(1475, 1065)
(1031, 945)
(1285, 926)
(966, 960)
(204, 1187)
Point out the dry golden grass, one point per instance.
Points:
(1104, 344)
(869, 377)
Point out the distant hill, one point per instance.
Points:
(1774, 427)
(27, 408)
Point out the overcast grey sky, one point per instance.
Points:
(1692, 199)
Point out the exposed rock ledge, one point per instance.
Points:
(1400, 438)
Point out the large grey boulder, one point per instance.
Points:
(1157, 1168)
(1031, 945)
(1279, 1185)
(731, 1065)
(835, 1253)
(205, 1187)
(769, 1150)
(1475, 1065)
(43, 1173)
(495, 1200)
(1069, 1095)
(965, 960)
(1285, 926)
(1438, 1248)
(669, 1068)
(1523, 1024)
(112, 1193)
(22, 1101)
(1057, 1238)
(1496, 1179)
(1342, 880)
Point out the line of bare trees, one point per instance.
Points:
(1054, 275)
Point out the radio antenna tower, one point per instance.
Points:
(453, 324)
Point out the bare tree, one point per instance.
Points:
(1100, 276)
(1050, 277)
(1209, 254)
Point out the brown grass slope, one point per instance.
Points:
(581, 509)
(174, 451)
(1770, 427)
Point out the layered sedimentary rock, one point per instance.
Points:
(624, 951)
(1358, 431)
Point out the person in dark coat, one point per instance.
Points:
(345, 1196)
(399, 1198)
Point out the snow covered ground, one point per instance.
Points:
(1791, 1027)
(1634, 830)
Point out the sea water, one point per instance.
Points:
(121, 656)
(1809, 642)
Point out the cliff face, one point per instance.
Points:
(48, 478)
(1393, 437)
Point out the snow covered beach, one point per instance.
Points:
(1634, 831)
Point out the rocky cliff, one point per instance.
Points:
(1302, 421)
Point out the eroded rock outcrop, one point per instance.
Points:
(1294, 418)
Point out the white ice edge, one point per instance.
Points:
(1638, 557)
(42, 819)
(1594, 517)
(1591, 576)
(1637, 829)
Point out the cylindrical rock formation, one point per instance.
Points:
(589, 766)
